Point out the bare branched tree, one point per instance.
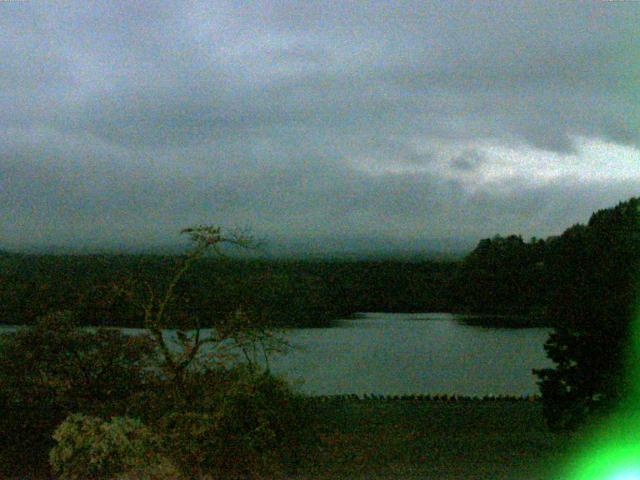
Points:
(240, 331)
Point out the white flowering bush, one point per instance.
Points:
(122, 448)
(55, 368)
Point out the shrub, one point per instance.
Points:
(254, 426)
(55, 368)
(88, 447)
(202, 392)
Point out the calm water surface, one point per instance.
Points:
(414, 353)
(395, 354)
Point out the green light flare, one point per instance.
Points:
(627, 475)
(612, 451)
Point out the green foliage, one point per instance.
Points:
(243, 426)
(55, 368)
(107, 289)
(596, 268)
(239, 421)
(250, 425)
(502, 275)
(123, 448)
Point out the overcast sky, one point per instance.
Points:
(121, 122)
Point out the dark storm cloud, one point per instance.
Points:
(467, 161)
(123, 121)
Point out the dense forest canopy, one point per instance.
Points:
(536, 279)
(302, 293)
(596, 273)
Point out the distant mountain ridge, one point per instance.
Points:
(325, 247)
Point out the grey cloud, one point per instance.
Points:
(504, 69)
(120, 121)
(467, 161)
(313, 197)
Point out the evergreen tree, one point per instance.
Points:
(593, 273)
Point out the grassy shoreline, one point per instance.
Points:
(419, 438)
(483, 439)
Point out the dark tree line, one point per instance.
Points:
(583, 282)
(503, 275)
(537, 279)
(586, 284)
(596, 270)
(105, 289)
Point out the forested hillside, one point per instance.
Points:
(594, 300)
(584, 273)
(108, 289)
(537, 280)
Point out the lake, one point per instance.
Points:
(432, 353)
(398, 354)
